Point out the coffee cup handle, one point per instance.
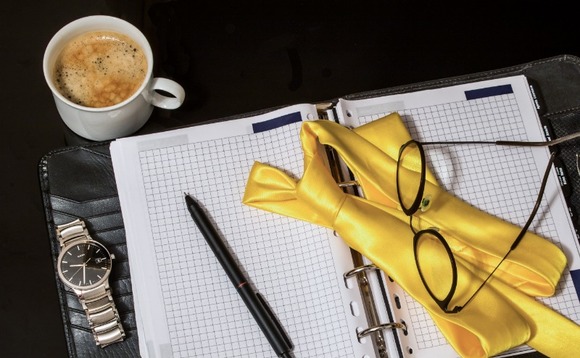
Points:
(169, 86)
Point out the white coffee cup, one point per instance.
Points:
(121, 119)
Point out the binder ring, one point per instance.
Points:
(348, 183)
(380, 327)
(355, 271)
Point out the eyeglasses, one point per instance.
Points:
(434, 258)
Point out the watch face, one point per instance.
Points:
(84, 264)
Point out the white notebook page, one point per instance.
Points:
(185, 304)
(500, 180)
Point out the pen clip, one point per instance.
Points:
(275, 320)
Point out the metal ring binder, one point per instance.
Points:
(380, 327)
(375, 329)
(355, 271)
(348, 183)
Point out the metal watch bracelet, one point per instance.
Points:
(97, 302)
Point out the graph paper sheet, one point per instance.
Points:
(499, 180)
(185, 304)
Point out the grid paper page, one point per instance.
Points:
(496, 179)
(202, 312)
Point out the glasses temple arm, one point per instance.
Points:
(539, 144)
(538, 202)
(522, 232)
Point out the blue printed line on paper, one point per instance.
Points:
(277, 122)
(488, 92)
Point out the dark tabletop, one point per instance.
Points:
(230, 59)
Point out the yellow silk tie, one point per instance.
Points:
(502, 315)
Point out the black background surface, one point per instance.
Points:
(231, 59)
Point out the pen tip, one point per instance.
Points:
(189, 199)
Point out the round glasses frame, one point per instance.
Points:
(444, 303)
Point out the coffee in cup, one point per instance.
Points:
(100, 68)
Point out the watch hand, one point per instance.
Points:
(85, 269)
(74, 274)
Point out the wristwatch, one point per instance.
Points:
(84, 265)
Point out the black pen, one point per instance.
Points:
(256, 304)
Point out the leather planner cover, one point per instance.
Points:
(78, 182)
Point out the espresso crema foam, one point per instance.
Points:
(100, 69)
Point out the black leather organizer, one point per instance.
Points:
(78, 182)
